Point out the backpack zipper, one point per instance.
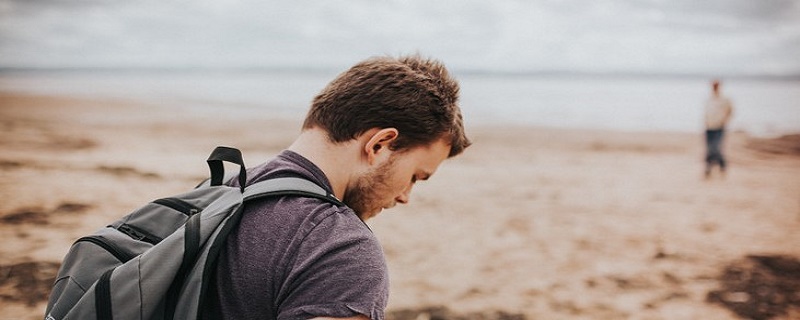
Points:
(179, 205)
(121, 255)
(139, 234)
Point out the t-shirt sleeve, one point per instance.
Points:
(339, 271)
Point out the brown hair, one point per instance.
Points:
(416, 96)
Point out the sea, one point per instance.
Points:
(763, 107)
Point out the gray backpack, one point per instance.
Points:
(156, 262)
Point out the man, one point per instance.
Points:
(373, 132)
(717, 114)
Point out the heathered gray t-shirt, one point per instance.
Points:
(298, 258)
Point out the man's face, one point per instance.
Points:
(390, 182)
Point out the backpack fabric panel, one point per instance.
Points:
(156, 268)
(108, 248)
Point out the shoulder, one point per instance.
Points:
(338, 228)
(313, 228)
(339, 269)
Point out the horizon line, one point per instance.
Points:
(457, 71)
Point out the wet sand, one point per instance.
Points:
(540, 223)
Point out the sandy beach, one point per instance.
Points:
(529, 223)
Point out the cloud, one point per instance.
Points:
(605, 35)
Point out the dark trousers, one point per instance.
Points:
(713, 151)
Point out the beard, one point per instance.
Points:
(365, 197)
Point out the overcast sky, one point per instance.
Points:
(649, 36)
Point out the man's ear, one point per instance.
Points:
(378, 144)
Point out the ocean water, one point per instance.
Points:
(762, 107)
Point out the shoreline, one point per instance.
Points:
(543, 222)
(764, 109)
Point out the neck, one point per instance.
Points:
(336, 160)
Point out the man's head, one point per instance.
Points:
(715, 85)
(399, 119)
(416, 96)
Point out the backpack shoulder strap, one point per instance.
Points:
(289, 186)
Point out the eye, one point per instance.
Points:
(420, 176)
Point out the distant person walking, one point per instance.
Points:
(717, 114)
